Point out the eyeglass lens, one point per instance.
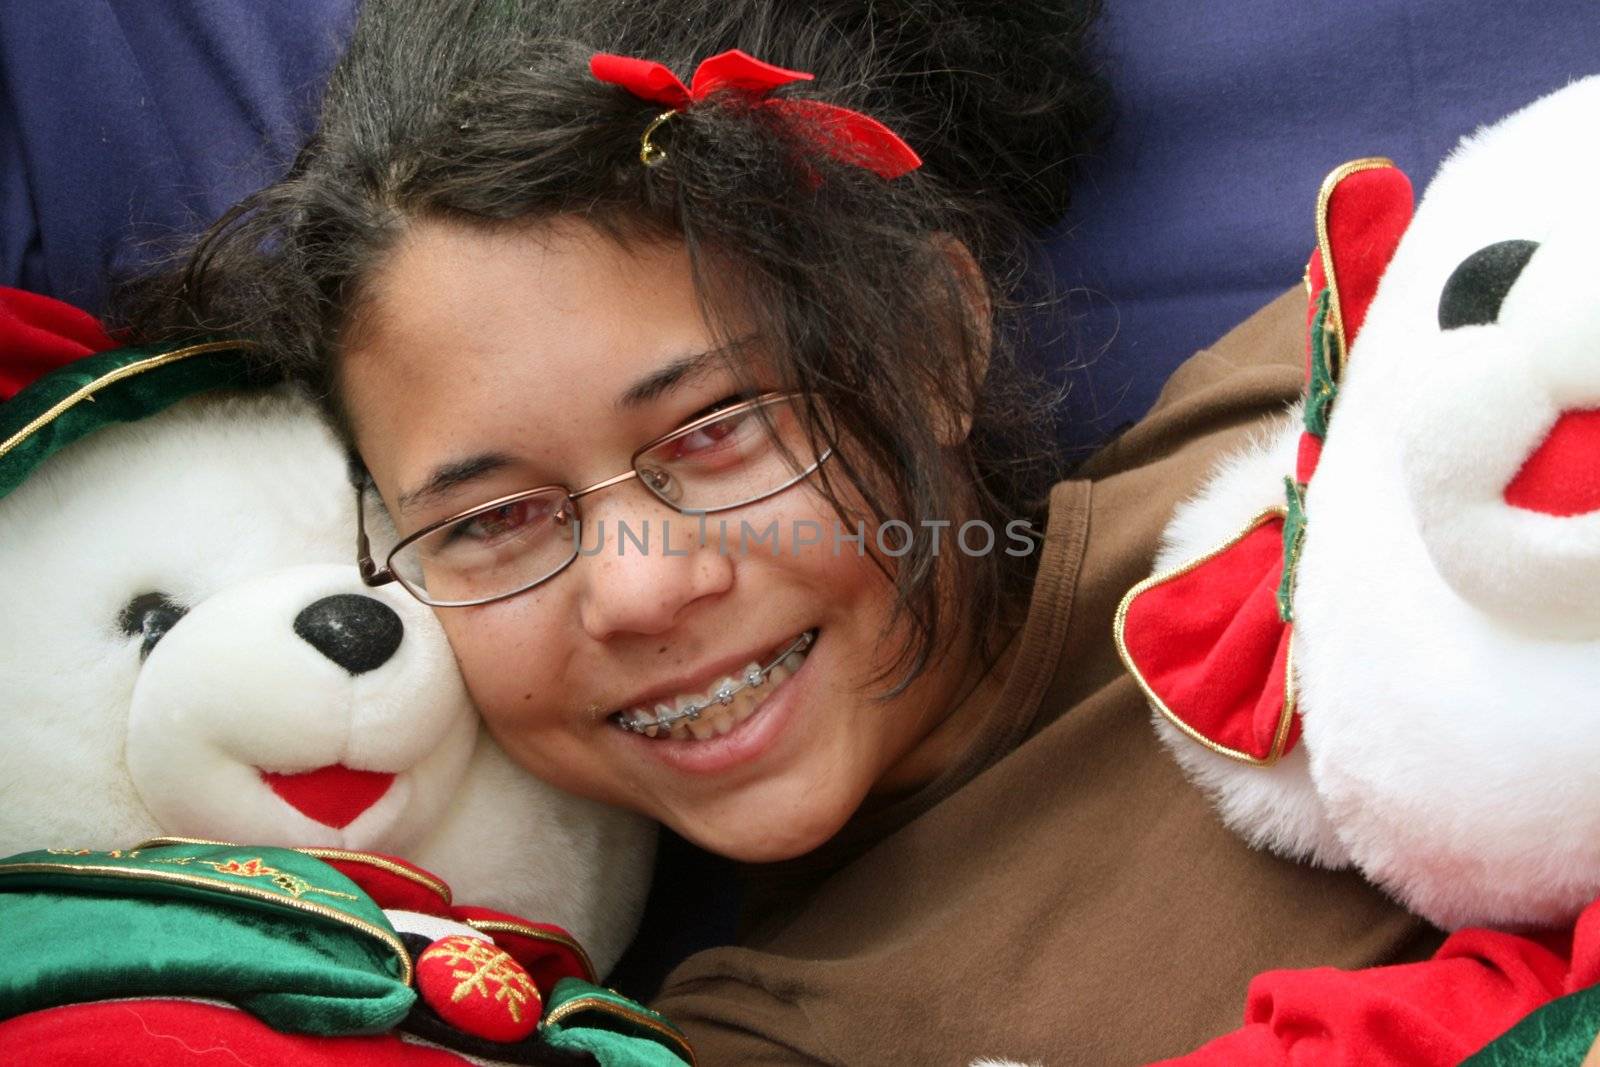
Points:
(750, 453)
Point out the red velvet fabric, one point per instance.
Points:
(548, 959)
(1210, 645)
(1431, 1014)
(478, 988)
(375, 873)
(1367, 214)
(1316, 281)
(544, 950)
(1308, 455)
(178, 1033)
(1561, 477)
(38, 335)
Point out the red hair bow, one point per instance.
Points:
(842, 133)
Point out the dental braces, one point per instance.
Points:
(753, 676)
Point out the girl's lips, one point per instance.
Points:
(745, 743)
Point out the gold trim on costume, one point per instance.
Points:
(141, 874)
(426, 881)
(87, 392)
(507, 926)
(1325, 247)
(162, 842)
(1119, 624)
(379, 862)
(586, 1001)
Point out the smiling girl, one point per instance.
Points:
(579, 319)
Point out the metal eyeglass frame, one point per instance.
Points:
(373, 575)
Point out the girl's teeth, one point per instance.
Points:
(718, 717)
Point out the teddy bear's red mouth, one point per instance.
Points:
(335, 795)
(1562, 476)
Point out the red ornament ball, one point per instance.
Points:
(478, 988)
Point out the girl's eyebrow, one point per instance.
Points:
(678, 372)
(453, 475)
(652, 386)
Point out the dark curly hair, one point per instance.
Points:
(484, 112)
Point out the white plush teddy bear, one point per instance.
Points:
(187, 650)
(1375, 637)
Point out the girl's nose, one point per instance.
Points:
(642, 567)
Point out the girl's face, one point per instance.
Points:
(491, 362)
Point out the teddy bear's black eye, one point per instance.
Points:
(1478, 286)
(149, 616)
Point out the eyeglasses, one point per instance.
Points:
(727, 459)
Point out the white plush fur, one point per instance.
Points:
(1447, 644)
(241, 510)
(1451, 731)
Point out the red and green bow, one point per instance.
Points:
(1210, 642)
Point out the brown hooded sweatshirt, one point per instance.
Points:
(1061, 895)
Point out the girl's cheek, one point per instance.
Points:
(499, 653)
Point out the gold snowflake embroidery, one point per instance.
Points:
(481, 969)
(291, 884)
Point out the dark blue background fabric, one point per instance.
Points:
(1199, 209)
(126, 122)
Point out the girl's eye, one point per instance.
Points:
(498, 523)
(719, 444)
(711, 434)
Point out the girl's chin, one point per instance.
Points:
(767, 825)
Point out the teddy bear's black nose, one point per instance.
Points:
(356, 632)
